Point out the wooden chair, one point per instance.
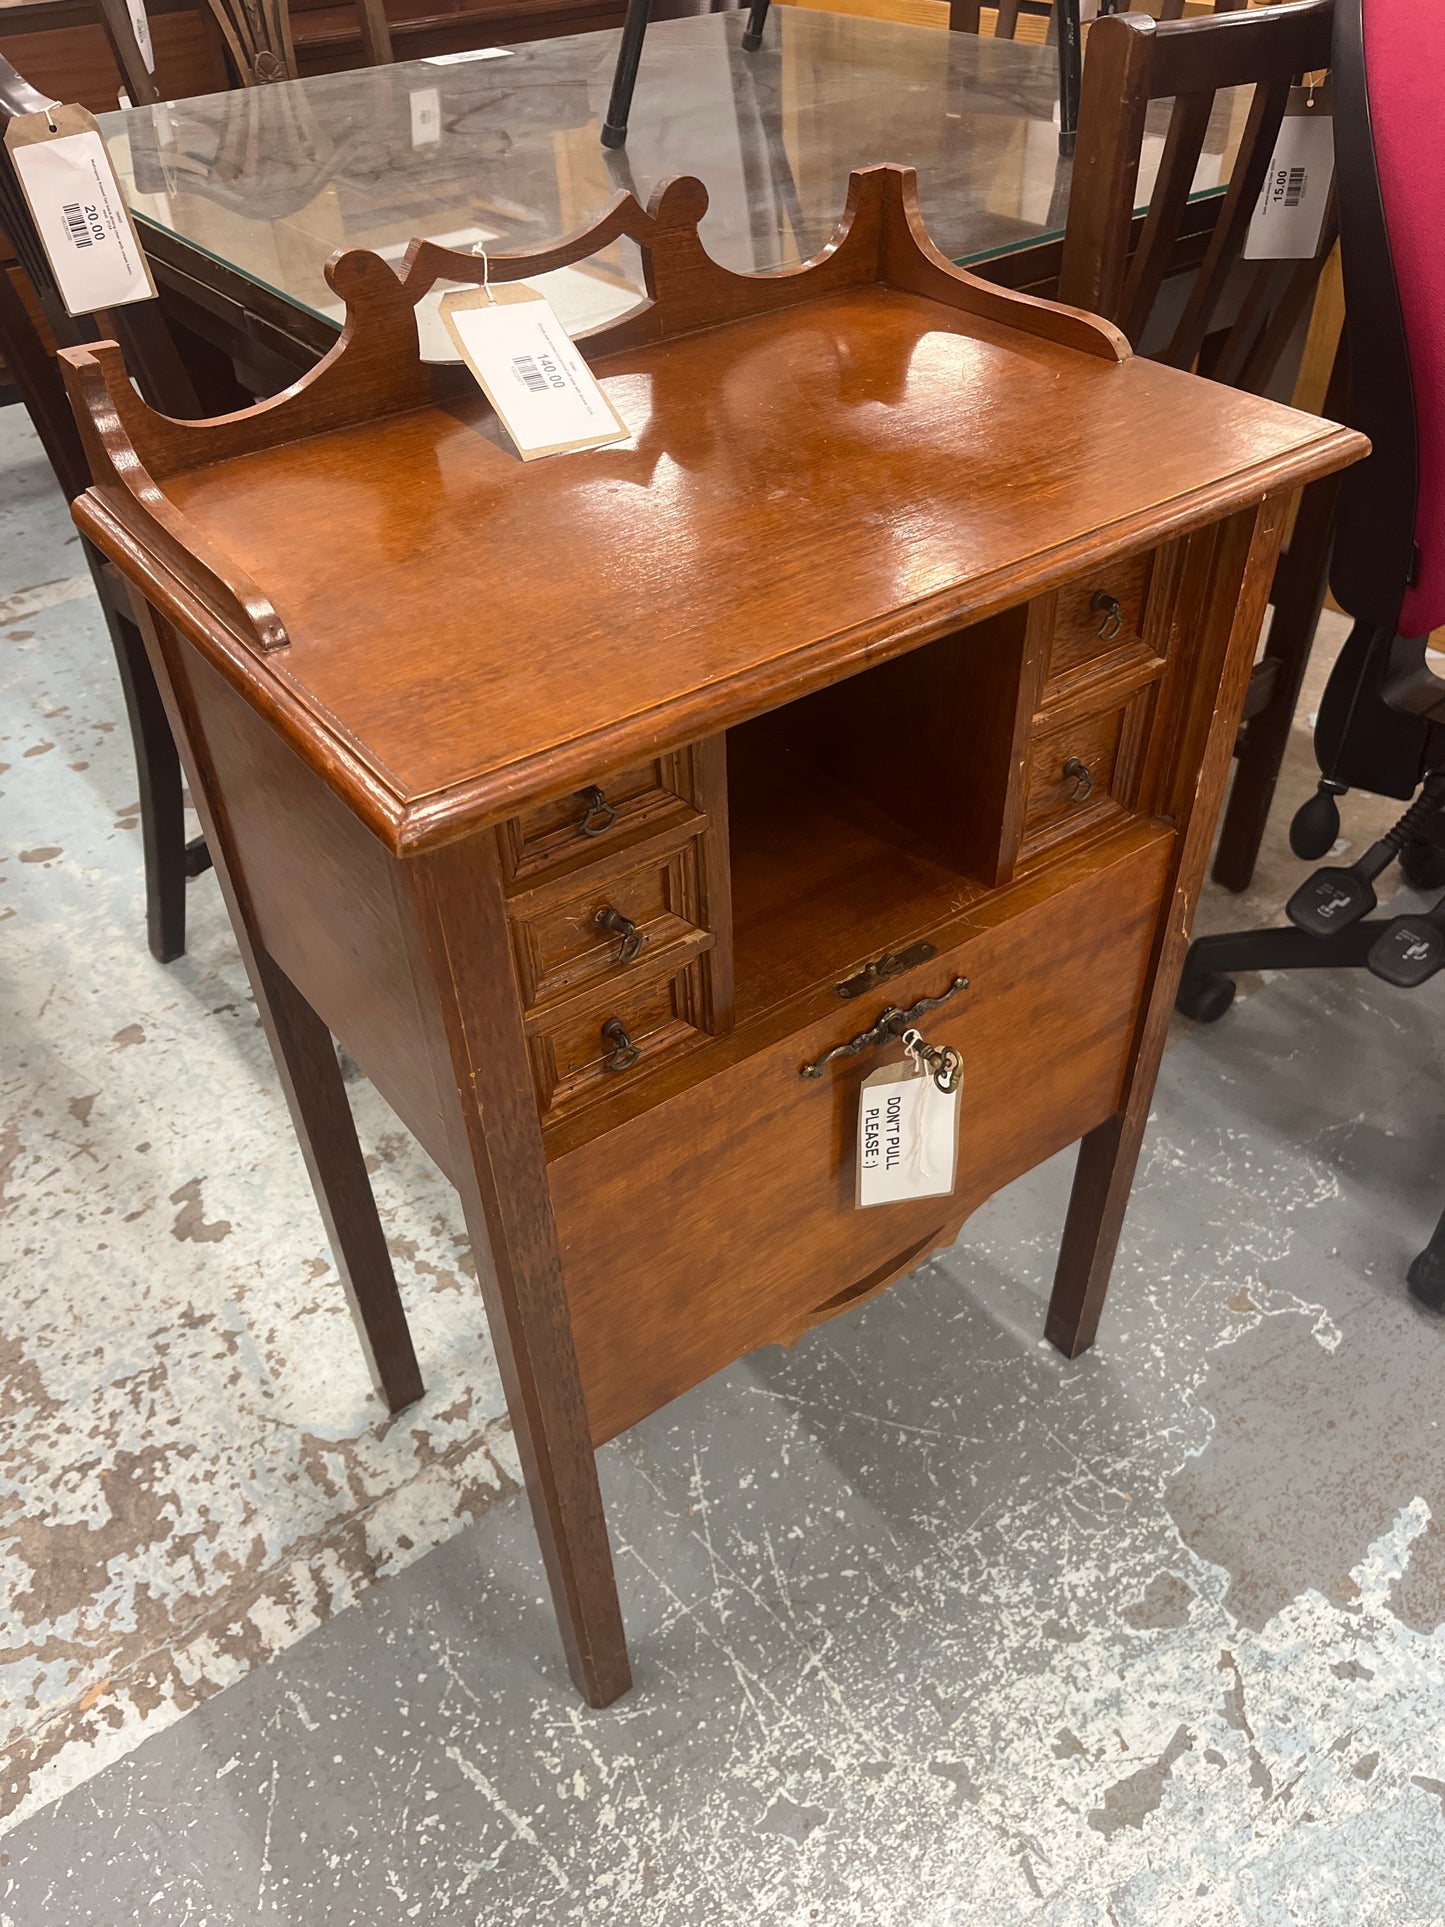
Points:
(1116, 264)
(32, 321)
(967, 16)
(257, 35)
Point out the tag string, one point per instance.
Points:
(477, 248)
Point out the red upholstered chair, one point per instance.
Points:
(1381, 724)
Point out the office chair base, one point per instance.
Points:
(1215, 961)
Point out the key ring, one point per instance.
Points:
(945, 1065)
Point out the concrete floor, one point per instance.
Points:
(929, 1625)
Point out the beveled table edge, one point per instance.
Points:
(408, 822)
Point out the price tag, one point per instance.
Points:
(471, 53)
(79, 211)
(907, 1136)
(426, 116)
(141, 28)
(1290, 217)
(543, 391)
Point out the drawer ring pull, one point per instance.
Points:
(891, 1023)
(600, 813)
(1107, 606)
(617, 925)
(624, 1053)
(1082, 778)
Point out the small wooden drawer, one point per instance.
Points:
(1081, 772)
(592, 818)
(563, 947)
(581, 1054)
(1099, 613)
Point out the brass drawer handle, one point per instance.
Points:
(1107, 606)
(1082, 778)
(619, 926)
(891, 1023)
(624, 1053)
(600, 813)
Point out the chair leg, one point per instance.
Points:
(1299, 598)
(1427, 1273)
(162, 806)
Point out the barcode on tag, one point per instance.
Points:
(1289, 218)
(80, 213)
(540, 385)
(75, 221)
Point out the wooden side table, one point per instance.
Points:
(613, 809)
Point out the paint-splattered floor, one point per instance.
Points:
(929, 1625)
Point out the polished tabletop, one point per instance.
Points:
(503, 151)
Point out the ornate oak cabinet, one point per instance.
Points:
(890, 667)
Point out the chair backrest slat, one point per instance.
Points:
(1183, 145)
(1133, 61)
(1006, 25)
(140, 83)
(1226, 244)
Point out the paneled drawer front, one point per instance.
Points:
(586, 1050)
(1101, 612)
(568, 945)
(1080, 771)
(723, 1217)
(593, 818)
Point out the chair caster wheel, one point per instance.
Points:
(1205, 998)
(1426, 1278)
(1423, 865)
(1316, 823)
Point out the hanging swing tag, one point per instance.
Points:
(79, 211)
(908, 1128)
(1290, 217)
(141, 27)
(543, 391)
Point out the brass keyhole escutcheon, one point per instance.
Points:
(1082, 778)
(617, 925)
(600, 814)
(624, 1053)
(1107, 606)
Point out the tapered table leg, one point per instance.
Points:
(1220, 653)
(321, 1111)
(454, 911)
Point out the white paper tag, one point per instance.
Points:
(1291, 212)
(542, 389)
(79, 211)
(141, 27)
(426, 116)
(907, 1137)
(471, 53)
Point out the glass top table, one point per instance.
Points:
(501, 151)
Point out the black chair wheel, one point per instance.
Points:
(1422, 864)
(1426, 1278)
(1205, 997)
(1314, 827)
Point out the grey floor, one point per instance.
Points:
(928, 1625)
